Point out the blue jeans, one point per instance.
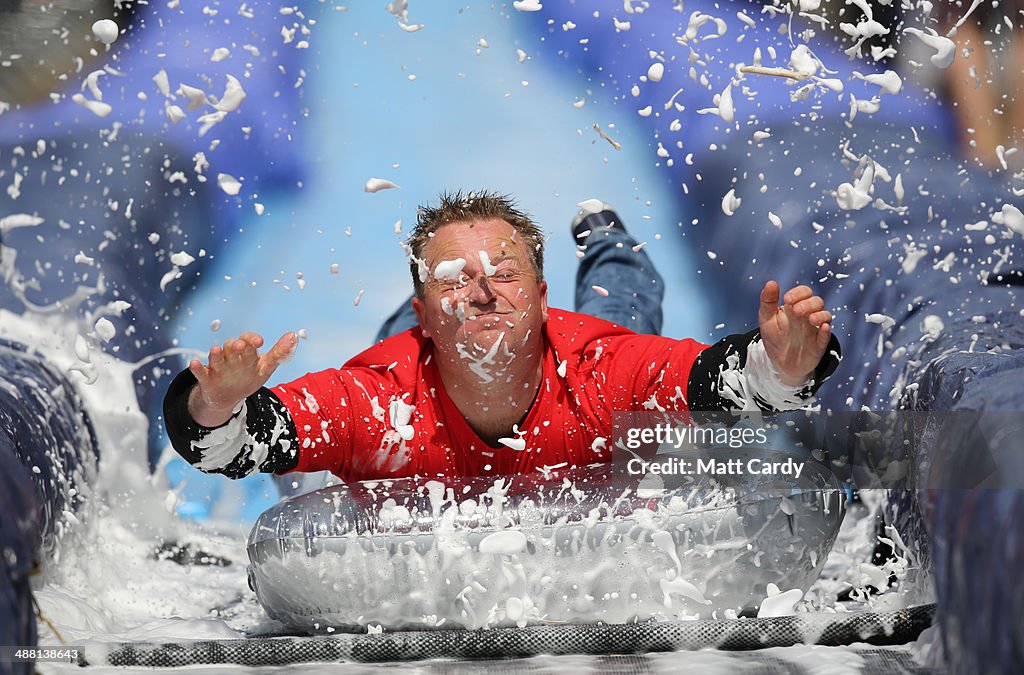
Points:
(635, 289)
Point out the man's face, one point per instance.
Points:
(482, 301)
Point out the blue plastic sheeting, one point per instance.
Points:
(122, 263)
(860, 252)
(126, 189)
(863, 251)
(978, 554)
(19, 545)
(48, 455)
(615, 60)
(48, 430)
(977, 543)
(257, 141)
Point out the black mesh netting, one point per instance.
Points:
(884, 628)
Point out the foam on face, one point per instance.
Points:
(483, 365)
(485, 263)
(449, 270)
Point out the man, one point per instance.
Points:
(491, 380)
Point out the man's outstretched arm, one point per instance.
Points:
(779, 366)
(234, 372)
(222, 419)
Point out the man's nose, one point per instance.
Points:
(479, 289)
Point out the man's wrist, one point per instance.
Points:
(769, 384)
(206, 415)
(795, 382)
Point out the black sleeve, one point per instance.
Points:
(704, 387)
(268, 424)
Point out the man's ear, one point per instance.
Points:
(420, 309)
(544, 299)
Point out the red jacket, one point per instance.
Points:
(385, 413)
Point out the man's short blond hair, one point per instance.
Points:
(456, 207)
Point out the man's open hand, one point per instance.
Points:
(796, 334)
(234, 372)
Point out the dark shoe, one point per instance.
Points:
(586, 222)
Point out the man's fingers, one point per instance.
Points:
(770, 293)
(820, 318)
(279, 353)
(238, 360)
(796, 294)
(769, 302)
(255, 339)
(824, 335)
(285, 345)
(230, 355)
(248, 353)
(201, 373)
(809, 306)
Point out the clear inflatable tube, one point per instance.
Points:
(586, 545)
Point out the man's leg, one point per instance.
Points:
(616, 280)
(612, 261)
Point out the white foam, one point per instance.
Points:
(945, 49)
(884, 321)
(730, 202)
(228, 183)
(106, 31)
(506, 542)
(449, 270)
(98, 108)
(527, 5)
(1010, 217)
(779, 603)
(378, 184)
(485, 263)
